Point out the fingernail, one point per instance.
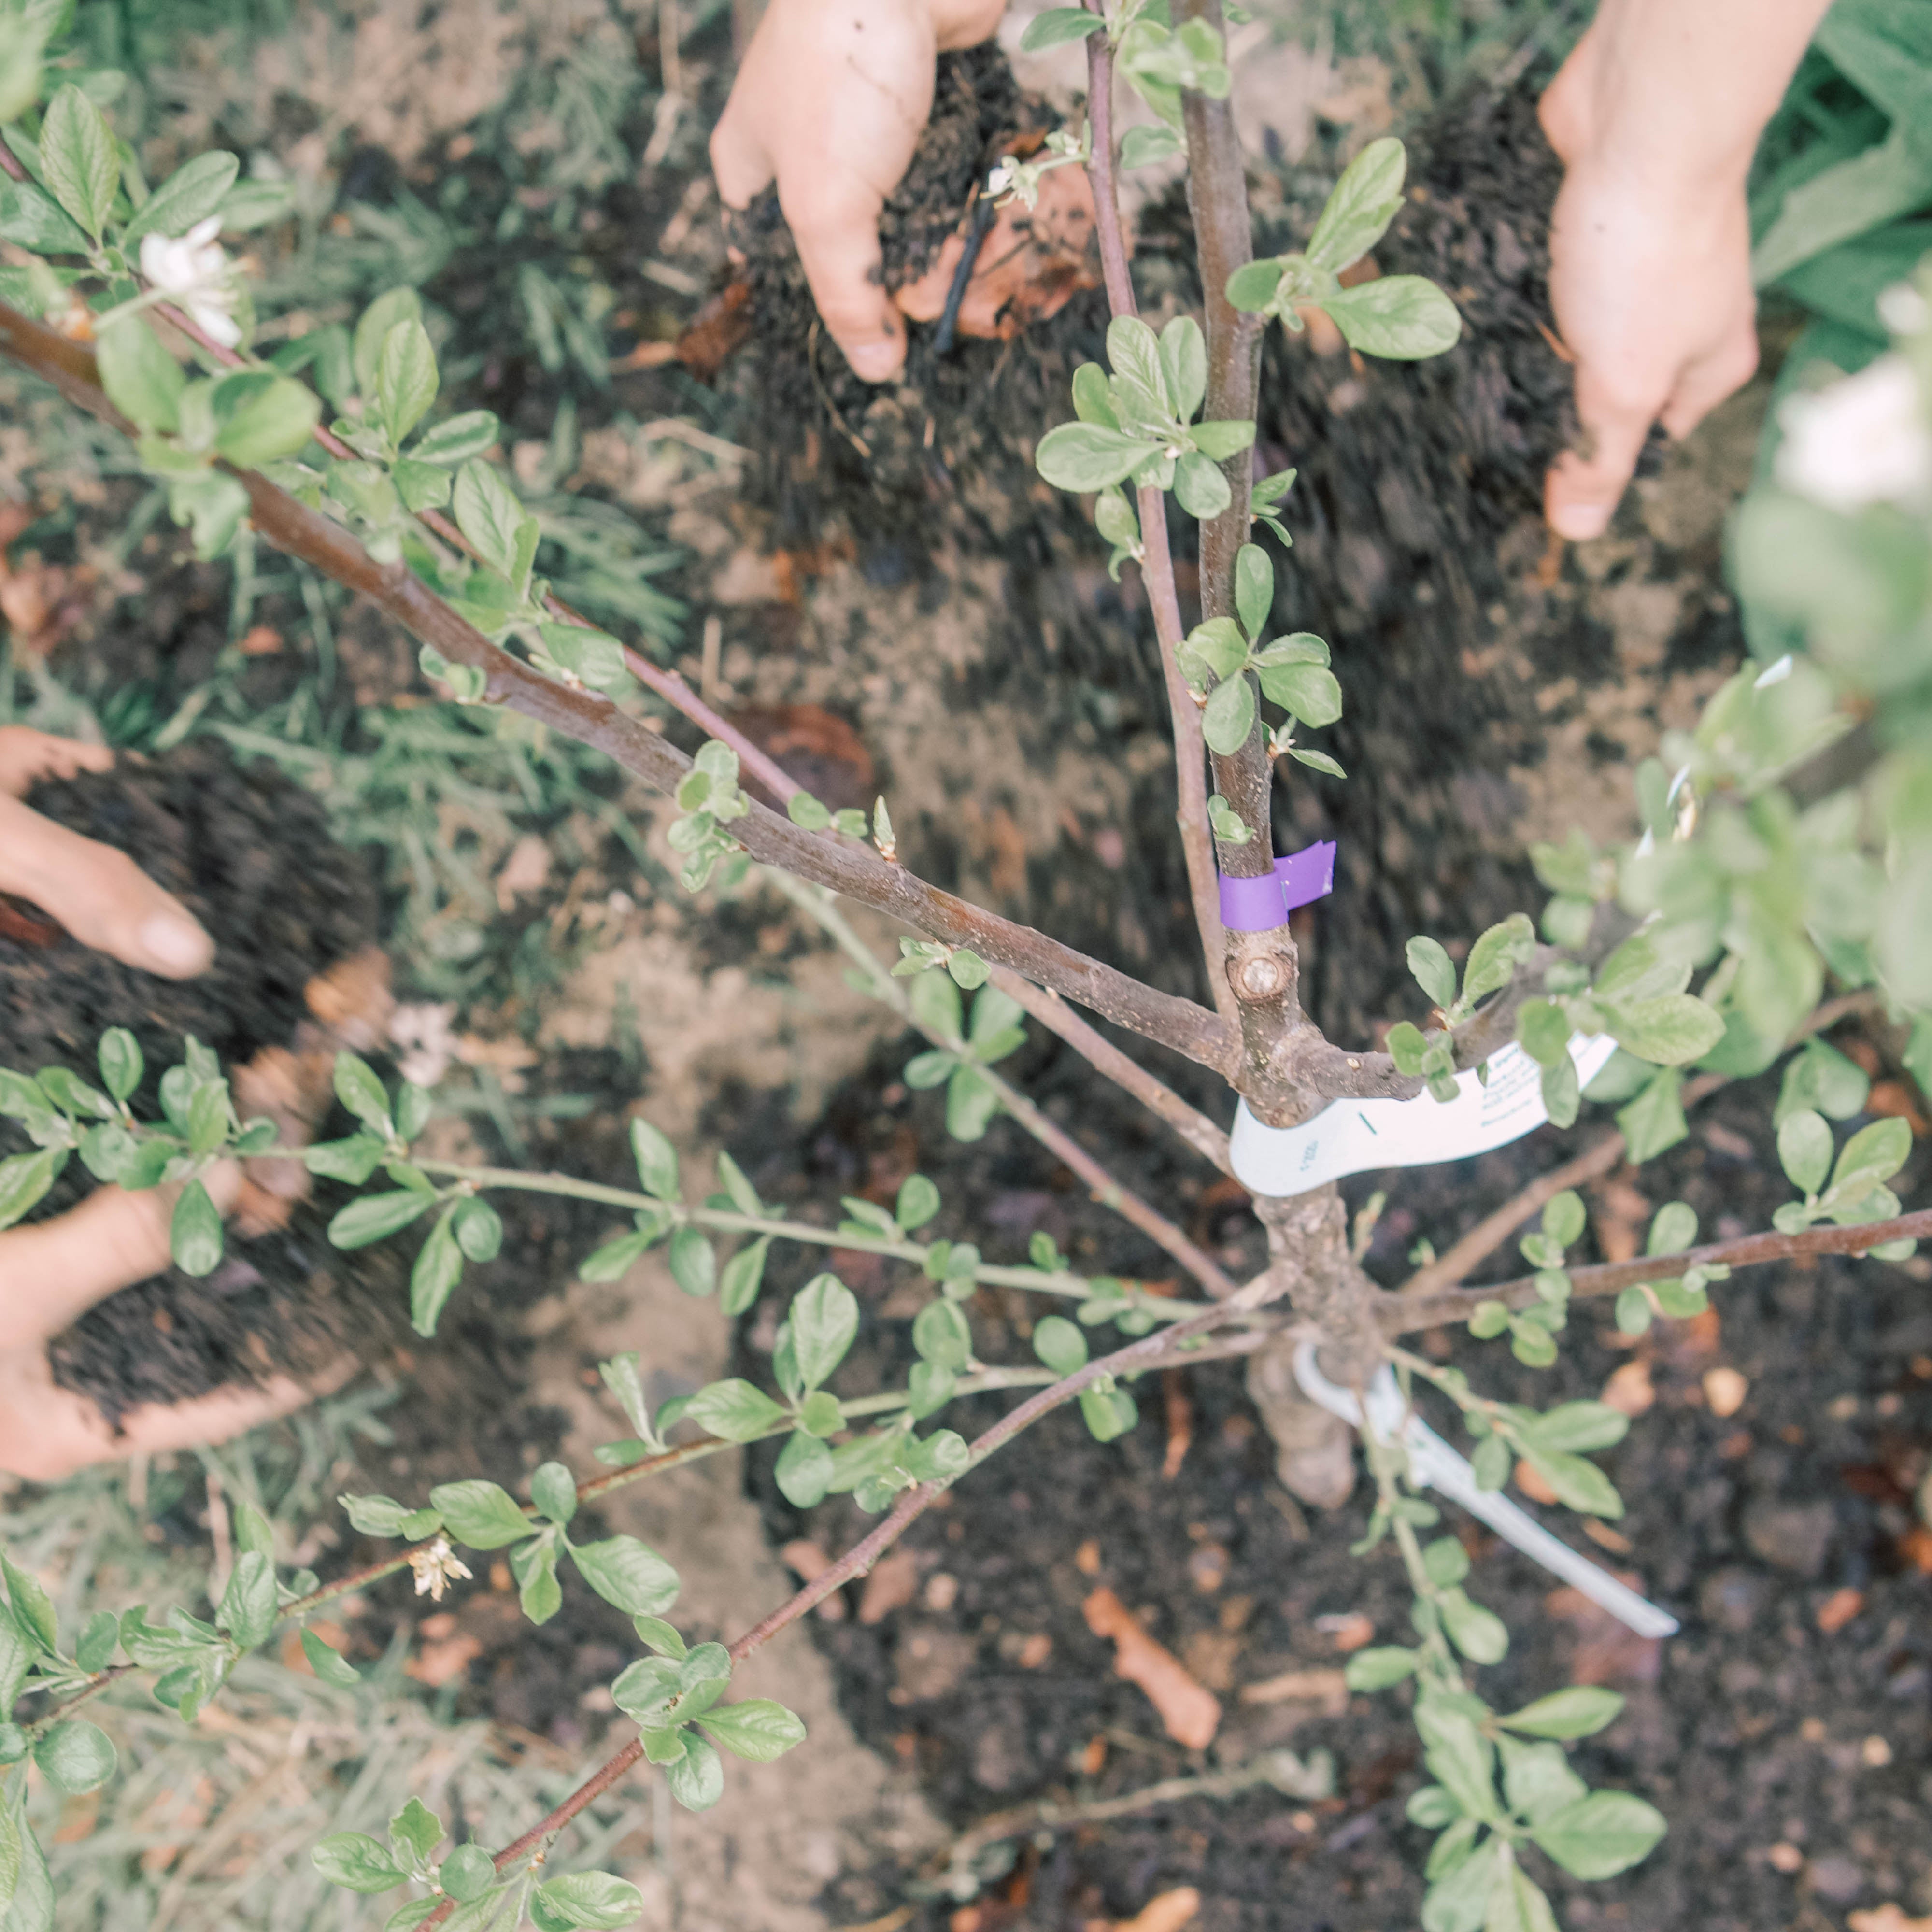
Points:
(175, 946)
(1580, 522)
(875, 361)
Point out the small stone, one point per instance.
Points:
(1785, 1858)
(1876, 1753)
(1725, 1389)
(1791, 1536)
(1835, 1877)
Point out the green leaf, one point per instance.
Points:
(77, 159)
(941, 1335)
(1252, 288)
(614, 1258)
(740, 1277)
(1220, 440)
(918, 1202)
(1198, 485)
(376, 1216)
(458, 438)
(438, 1268)
(595, 1899)
(1580, 1711)
(356, 1861)
(1577, 1426)
(359, 1090)
(1083, 457)
(971, 1104)
(1364, 202)
(1229, 716)
(1633, 1313)
(1376, 1670)
(1184, 364)
(694, 1262)
(656, 1159)
(758, 1729)
(1143, 146)
(824, 1320)
(1543, 1028)
(628, 1573)
(533, 1565)
(194, 1232)
(96, 1645)
(1432, 969)
(553, 1491)
(735, 1410)
(328, 1663)
(247, 1611)
(1517, 1903)
(75, 1756)
(1580, 1485)
(1309, 691)
(1604, 1833)
(1460, 1902)
(35, 220)
(1060, 1345)
(1822, 1078)
(1057, 26)
(480, 1514)
(1669, 1030)
(1133, 351)
(1254, 589)
(804, 1470)
(415, 1832)
(392, 306)
(121, 1062)
(1480, 1634)
(1462, 1760)
(697, 1779)
(1403, 318)
(1804, 1150)
(592, 655)
(142, 380)
(1654, 1120)
(1093, 396)
(265, 422)
(467, 1873)
(1870, 1157)
(488, 515)
(191, 194)
(406, 378)
(1493, 959)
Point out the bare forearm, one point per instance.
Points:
(1679, 90)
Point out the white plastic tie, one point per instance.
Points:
(1433, 1465)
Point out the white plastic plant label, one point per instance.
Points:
(1358, 1136)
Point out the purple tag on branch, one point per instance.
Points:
(1256, 905)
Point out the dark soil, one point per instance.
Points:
(249, 854)
(1751, 1728)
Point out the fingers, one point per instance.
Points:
(27, 756)
(739, 160)
(53, 1271)
(1707, 382)
(47, 1433)
(835, 224)
(1583, 487)
(100, 895)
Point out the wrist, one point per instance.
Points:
(964, 23)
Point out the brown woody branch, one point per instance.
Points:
(1190, 750)
(1400, 1313)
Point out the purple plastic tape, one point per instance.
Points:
(1256, 905)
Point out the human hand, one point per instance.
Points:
(99, 894)
(54, 1271)
(1650, 281)
(830, 102)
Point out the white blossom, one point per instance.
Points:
(435, 1565)
(1863, 440)
(422, 1028)
(192, 269)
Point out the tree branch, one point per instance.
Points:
(842, 864)
(1400, 1313)
(1107, 1190)
(1156, 560)
(1217, 199)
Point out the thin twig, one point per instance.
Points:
(1157, 560)
(1400, 1313)
(1054, 1013)
(1107, 1189)
(1490, 1234)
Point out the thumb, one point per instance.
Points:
(1584, 486)
(100, 895)
(836, 226)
